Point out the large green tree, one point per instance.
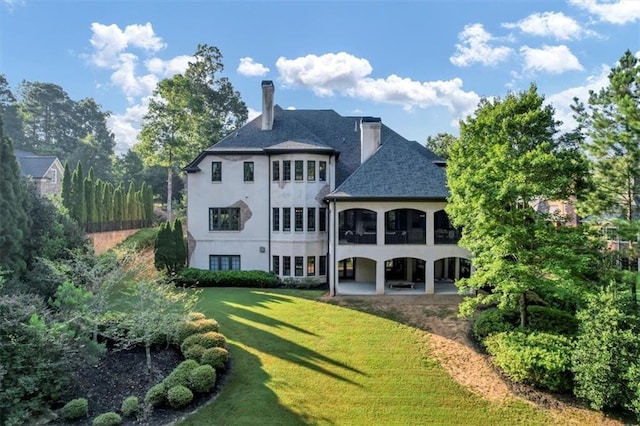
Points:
(189, 112)
(9, 112)
(611, 125)
(440, 144)
(506, 162)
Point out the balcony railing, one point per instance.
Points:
(447, 236)
(414, 236)
(350, 237)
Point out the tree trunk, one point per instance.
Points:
(148, 352)
(523, 309)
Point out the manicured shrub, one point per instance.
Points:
(202, 379)
(193, 316)
(215, 357)
(491, 321)
(208, 340)
(156, 395)
(194, 352)
(550, 320)
(75, 409)
(130, 406)
(539, 359)
(188, 328)
(179, 396)
(203, 278)
(107, 419)
(180, 374)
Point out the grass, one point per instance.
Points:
(297, 360)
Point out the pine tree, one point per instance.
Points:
(66, 187)
(78, 206)
(89, 200)
(179, 246)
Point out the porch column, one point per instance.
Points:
(429, 285)
(430, 228)
(457, 272)
(380, 231)
(379, 276)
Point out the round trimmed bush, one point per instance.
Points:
(180, 374)
(75, 409)
(492, 321)
(550, 320)
(202, 379)
(107, 419)
(156, 395)
(179, 396)
(130, 406)
(194, 352)
(193, 316)
(215, 357)
(189, 328)
(210, 339)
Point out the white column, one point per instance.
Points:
(428, 276)
(379, 276)
(457, 273)
(430, 232)
(380, 227)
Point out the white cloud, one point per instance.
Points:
(253, 113)
(125, 127)
(552, 24)
(109, 41)
(250, 68)
(323, 74)
(348, 75)
(125, 78)
(475, 47)
(562, 101)
(177, 65)
(615, 12)
(551, 59)
(11, 4)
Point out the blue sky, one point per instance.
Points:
(419, 65)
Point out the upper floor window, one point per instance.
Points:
(299, 219)
(311, 219)
(216, 171)
(322, 171)
(311, 170)
(286, 218)
(286, 170)
(224, 219)
(276, 218)
(248, 171)
(276, 170)
(322, 219)
(299, 169)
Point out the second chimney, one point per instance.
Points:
(267, 104)
(369, 136)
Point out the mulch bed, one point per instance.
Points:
(123, 373)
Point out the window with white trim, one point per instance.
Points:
(224, 262)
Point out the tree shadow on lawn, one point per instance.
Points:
(249, 297)
(266, 320)
(247, 400)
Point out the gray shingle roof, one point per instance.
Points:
(33, 165)
(398, 169)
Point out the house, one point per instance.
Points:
(313, 195)
(45, 171)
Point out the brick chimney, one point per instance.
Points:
(267, 104)
(369, 136)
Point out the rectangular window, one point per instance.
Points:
(286, 219)
(216, 171)
(311, 266)
(322, 171)
(54, 176)
(299, 266)
(299, 218)
(322, 216)
(224, 219)
(276, 219)
(322, 266)
(286, 266)
(224, 262)
(275, 265)
(311, 219)
(248, 171)
(286, 170)
(276, 170)
(311, 170)
(299, 166)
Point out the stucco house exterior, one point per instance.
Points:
(313, 195)
(45, 171)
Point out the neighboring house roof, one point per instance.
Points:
(397, 169)
(34, 165)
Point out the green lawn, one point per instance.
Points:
(300, 361)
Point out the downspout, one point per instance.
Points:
(332, 210)
(269, 213)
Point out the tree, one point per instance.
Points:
(14, 222)
(9, 112)
(505, 162)
(188, 113)
(611, 122)
(170, 251)
(440, 144)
